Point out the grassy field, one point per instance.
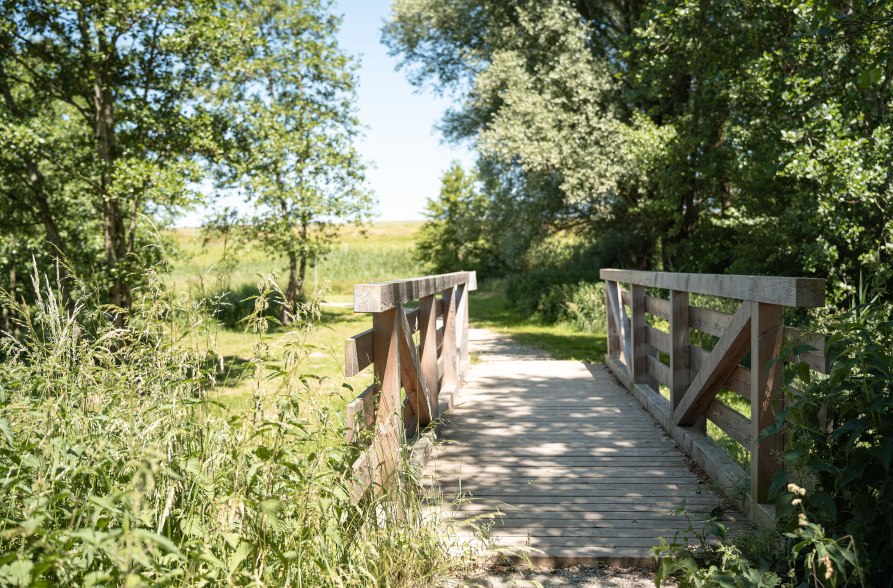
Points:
(382, 252)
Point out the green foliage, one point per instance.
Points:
(558, 295)
(456, 236)
(100, 129)
(747, 138)
(116, 470)
(814, 559)
(840, 435)
(287, 91)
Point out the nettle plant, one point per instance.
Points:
(117, 469)
(839, 433)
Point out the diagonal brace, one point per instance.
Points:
(716, 369)
(414, 381)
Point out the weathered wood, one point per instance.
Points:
(613, 322)
(360, 413)
(625, 296)
(721, 362)
(638, 335)
(680, 363)
(708, 321)
(428, 346)
(733, 423)
(816, 360)
(766, 336)
(738, 381)
(658, 339)
(357, 353)
(660, 371)
(417, 393)
(659, 307)
(388, 418)
(462, 329)
(568, 459)
(448, 353)
(383, 296)
(793, 292)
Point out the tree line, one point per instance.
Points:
(117, 115)
(721, 136)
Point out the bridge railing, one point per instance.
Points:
(413, 382)
(694, 375)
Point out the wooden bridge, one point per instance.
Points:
(583, 463)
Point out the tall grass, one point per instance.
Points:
(115, 469)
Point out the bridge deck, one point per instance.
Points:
(577, 469)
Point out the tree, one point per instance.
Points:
(456, 235)
(99, 127)
(684, 135)
(289, 96)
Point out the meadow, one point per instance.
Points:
(380, 252)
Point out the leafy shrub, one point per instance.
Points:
(840, 435)
(116, 470)
(560, 295)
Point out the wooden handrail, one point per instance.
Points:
(410, 381)
(695, 375)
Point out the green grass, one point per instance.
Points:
(490, 309)
(383, 251)
(380, 252)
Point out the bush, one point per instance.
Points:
(559, 295)
(116, 470)
(840, 436)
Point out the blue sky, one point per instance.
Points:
(401, 140)
(401, 145)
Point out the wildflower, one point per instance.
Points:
(802, 520)
(829, 569)
(795, 489)
(797, 501)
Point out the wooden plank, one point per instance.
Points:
(738, 381)
(731, 421)
(448, 353)
(638, 335)
(428, 347)
(659, 307)
(658, 339)
(358, 353)
(461, 332)
(613, 321)
(816, 360)
(383, 296)
(709, 321)
(625, 296)
(766, 337)
(680, 362)
(721, 362)
(360, 413)
(412, 318)
(417, 393)
(793, 292)
(388, 417)
(660, 371)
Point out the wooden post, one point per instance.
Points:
(767, 329)
(462, 330)
(389, 416)
(680, 364)
(639, 347)
(448, 352)
(613, 327)
(428, 347)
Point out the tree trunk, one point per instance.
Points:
(115, 242)
(297, 270)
